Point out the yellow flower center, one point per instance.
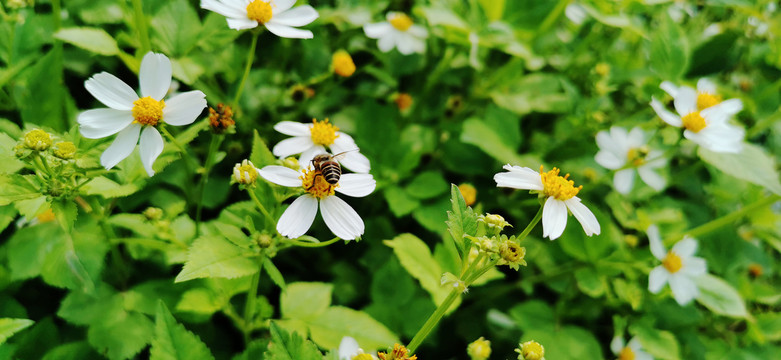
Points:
(694, 122)
(65, 150)
(314, 183)
(479, 349)
(636, 156)
(626, 354)
(323, 133)
(401, 22)
(532, 350)
(245, 173)
(558, 186)
(399, 352)
(343, 63)
(38, 139)
(672, 262)
(362, 357)
(148, 111)
(706, 100)
(259, 11)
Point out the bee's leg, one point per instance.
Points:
(314, 181)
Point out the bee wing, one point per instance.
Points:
(341, 155)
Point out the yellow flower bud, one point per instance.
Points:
(531, 350)
(469, 193)
(38, 140)
(342, 63)
(479, 349)
(65, 150)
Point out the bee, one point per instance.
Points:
(327, 166)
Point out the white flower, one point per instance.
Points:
(632, 350)
(349, 350)
(399, 32)
(560, 193)
(343, 221)
(679, 267)
(311, 139)
(130, 115)
(627, 152)
(276, 15)
(704, 116)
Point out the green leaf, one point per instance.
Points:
(659, 343)
(769, 324)
(399, 201)
(274, 273)
(493, 9)
(17, 187)
(328, 329)
(91, 39)
(261, 155)
(305, 300)
(66, 212)
(28, 247)
(173, 341)
(103, 305)
(535, 92)
(44, 81)
(108, 188)
(212, 256)
(433, 215)
(75, 261)
(31, 208)
(752, 164)
(284, 346)
(590, 282)
(415, 256)
(426, 185)
(533, 314)
(720, 297)
(121, 338)
(480, 134)
(200, 301)
(9, 164)
(9, 327)
(462, 220)
(177, 27)
(566, 343)
(7, 215)
(71, 351)
(668, 50)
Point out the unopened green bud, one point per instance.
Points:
(264, 241)
(153, 213)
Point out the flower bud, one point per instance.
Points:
(342, 63)
(37, 140)
(221, 119)
(469, 193)
(530, 350)
(403, 101)
(512, 254)
(245, 173)
(153, 213)
(65, 150)
(479, 349)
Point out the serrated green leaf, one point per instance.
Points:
(328, 329)
(232, 234)
(284, 346)
(31, 208)
(274, 273)
(122, 338)
(172, 341)
(461, 220)
(212, 256)
(9, 327)
(659, 343)
(752, 164)
(720, 297)
(91, 39)
(302, 300)
(15, 187)
(108, 188)
(261, 155)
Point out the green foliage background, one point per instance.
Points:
(105, 281)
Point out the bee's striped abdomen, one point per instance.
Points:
(331, 171)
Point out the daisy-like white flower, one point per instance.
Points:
(703, 115)
(130, 115)
(631, 351)
(679, 267)
(349, 350)
(343, 221)
(628, 153)
(398, 32)
(312, 139)
(276, 15)
(560, 196)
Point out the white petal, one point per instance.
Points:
(149, 147)
(288, 32)
(654, 180)
(230, 9)
(343, 221)
(281, 175)
(657, 278)
(280, 6)
(554, 218)
(241, 23)
(519, 178)
(300, 16)
(298, 217)
(417, 31)
(721, 112)
(294, 145)
(723, 138)
(655, 242)
(155, 75)
(405, 43)
(307, 156)
(605, 142)
(684, 289)
(356, 162)
(623, 180)
(356, 185)
(706, 86)
(642, 355)
(122, 146)
(669, 88)
(344, 142)
(609, 160)
(694, 266)
(111, 91)
(619, 136)
(377, 30)
(387, 42)
(666, 115)
(635, 344)
(617, 344)
(348, 348)
(99, 123)
(585, 217)
(686, 247)
(184, 108)
(635, 138)
(293, 128)
(686, 101)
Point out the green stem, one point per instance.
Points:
(433, 320)
(477, 274)
(532, 224)
(207, 167)
(725, 220)
(249, 305)
(56, 10)
(262, 209)
(552, 16)
(247, 67)
(143, 32)
(310, 244)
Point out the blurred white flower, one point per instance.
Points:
(276, 15)
(679, 267)
(628, 153)
(632, 350)
(312, 139)
(343, 221)
(703, 115)
(130, 115)
(560, 193)
(349, 350)
(398, 32)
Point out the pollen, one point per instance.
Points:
(557, 186)
(245, 173)
(626, 354)
(672, 262)
(399, 352)
(706, 100)
(342, 63)
(148, 111)
(694, 122)
(401, 22)
(314, 183)
(259, 11)
(323, 133)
